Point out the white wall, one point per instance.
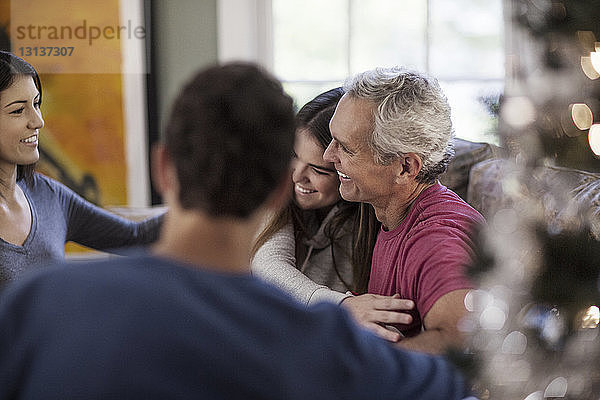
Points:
(245, 31)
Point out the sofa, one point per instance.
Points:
(482, 174)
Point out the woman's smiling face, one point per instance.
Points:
(315, 181)
(20, 121)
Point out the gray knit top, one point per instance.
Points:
(60, 215)
(313, 278)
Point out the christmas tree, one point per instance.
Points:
(533, 327)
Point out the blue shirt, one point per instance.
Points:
(150, 328)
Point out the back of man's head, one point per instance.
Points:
(230, 136)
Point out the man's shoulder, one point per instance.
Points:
(62, 275)
(442, 203)
(138, 275)
(159, 292)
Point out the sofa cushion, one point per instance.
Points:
(466, 155)
(565, 197)
(485, 190)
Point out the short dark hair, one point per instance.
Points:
(11, 67)
(230, 136)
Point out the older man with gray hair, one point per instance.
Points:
(392, 139)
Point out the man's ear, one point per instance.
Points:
(409, 165)
(164, 176)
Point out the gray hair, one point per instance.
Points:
(412, 115)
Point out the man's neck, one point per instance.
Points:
(397, 208)
(219, 244)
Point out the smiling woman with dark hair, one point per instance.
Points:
(38, 215)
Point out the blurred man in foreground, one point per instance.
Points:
(184, 319)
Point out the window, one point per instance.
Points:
(317, 44)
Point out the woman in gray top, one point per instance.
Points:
(37, 214)
(319, 248)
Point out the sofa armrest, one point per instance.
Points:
(466, 155)
(564, 197)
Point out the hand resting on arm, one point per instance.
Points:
(275, 262)
(375, 312)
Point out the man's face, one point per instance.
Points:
(361, 179)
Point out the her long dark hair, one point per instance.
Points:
(314, 117)
(12, 67)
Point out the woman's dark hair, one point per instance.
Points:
(12, 67)
(314, 117)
